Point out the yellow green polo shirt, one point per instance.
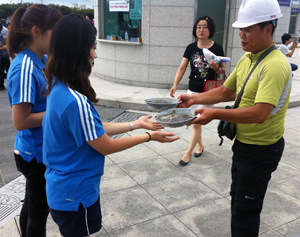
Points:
(271, 83)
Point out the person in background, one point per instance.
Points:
(75, 139)
(90, 17)
(3, 22)
(4, 58)
(289, 50)
(28, 42)
(260, 116)
(201, 70)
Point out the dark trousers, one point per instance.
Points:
(35, 209)
(251, 171)
(4, 65)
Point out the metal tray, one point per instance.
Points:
(161, 104)
(176, 124)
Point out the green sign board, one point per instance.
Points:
(135, 14)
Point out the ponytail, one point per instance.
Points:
(16, 38)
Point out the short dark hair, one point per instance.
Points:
(210, 23)
(24, 19)
(262, 25)
(72, 39)
(90, 15)
(285, 38)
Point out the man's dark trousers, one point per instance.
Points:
(251, 170)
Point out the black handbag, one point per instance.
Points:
(225, 128)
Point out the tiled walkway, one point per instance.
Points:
(145, 192)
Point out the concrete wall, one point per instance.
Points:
(297, 25)
(166, 31)
(234, 48)
(283, 24)
(297, 5)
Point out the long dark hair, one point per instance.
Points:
(72, 38)
(24, 19)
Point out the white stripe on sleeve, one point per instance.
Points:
(30, 81)
(87, 118)
(92, 119)
(26, 80)
(80, 113)
(22, 78)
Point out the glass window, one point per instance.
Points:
(218, 14)
(293, 24)
(122, 20)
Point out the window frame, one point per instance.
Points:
(101, 28)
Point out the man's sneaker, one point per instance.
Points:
(2, 88)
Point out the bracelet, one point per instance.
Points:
(149, 136)
(131, 126)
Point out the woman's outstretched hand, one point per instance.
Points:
(160, 136)
(144, 122)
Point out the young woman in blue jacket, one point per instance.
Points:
(28, 42)
(75, 139)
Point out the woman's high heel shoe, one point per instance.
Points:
(199, 154)
(184, 162)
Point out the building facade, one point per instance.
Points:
(141, 42)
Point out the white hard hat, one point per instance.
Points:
(252, 12)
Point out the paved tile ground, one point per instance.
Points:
(145, 192)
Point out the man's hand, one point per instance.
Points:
(206, 115)
(186, 101)
(258, 113)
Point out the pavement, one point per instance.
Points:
(145, 192)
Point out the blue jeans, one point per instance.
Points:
(252, 166)
(35, 210)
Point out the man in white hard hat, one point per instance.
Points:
(260, 116)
